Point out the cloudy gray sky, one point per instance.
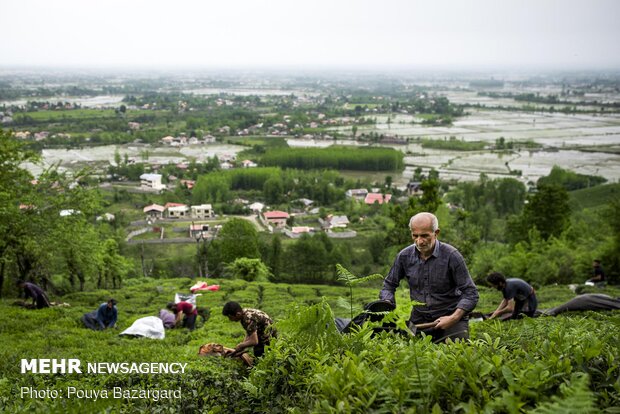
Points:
(319, 33)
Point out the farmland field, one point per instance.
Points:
(567, 363)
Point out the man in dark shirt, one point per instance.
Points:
(36, 293)
(186, 314)
(438, 277)
(107, 314)
(598, 276)
(104, 317)
(519, 296)
(257, 324)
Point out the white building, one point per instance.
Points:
(202, 211)
(152, 181)
(178, 211)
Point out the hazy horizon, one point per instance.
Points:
(526, 35)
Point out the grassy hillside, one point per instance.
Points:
(311, 368)
(597, 196)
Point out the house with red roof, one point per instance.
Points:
(372, 198)
(276, 218)
(154, 211)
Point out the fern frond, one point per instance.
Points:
(366, 278)
(576, 398)
(344, 275)
(343, 303)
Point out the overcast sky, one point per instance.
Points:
(457, 34)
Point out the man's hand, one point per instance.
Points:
(445, 322)
(237, 352)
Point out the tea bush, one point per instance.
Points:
(548, 364)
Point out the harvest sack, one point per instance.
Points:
(203, 286)
(185, 297)
(148, 327)
(373, 312)
(585, 302)
(213, 349)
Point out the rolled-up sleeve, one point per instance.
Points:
(464, 283)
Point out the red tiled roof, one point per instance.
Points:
(372, 198)
(156, 207)
(276, 214)
(173, 205)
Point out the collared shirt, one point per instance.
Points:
(256, 320)
(442, 282)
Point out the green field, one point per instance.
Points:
(563, 364)
(594, 197)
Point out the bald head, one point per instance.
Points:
(426, 220)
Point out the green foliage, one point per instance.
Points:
(594, 197)
(548, 364)
(251, 270)
(505, 195)
(547, 211)
(237, 239)
(453, 144)
(569, 180)
(337, 158)
(350, 280)
(577, 398)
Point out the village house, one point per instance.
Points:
(372, 198)
(301, 229)
(198, 231)
(305, 201)
(167, 140)
(333, 222)
(414, 188)
(248, 164)
(177, 211)
(152, 181)
(22, 134)
(154, 211)
(357, 193)
(276, 218)
(202, 211)
(189, 184)
(256, 207)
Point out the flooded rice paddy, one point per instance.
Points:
(560, 135)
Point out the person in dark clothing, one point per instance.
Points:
(598, 275)
(36, 293)
(438, 277)
(104, 317)
(185, 314)
(257, 324)
(519, 296)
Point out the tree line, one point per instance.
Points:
(337, 158)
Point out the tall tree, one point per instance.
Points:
(237, 238)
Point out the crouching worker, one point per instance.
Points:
(39, 298)
(519, 296)
(258, 328)
(185, 314)
(104, 317)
